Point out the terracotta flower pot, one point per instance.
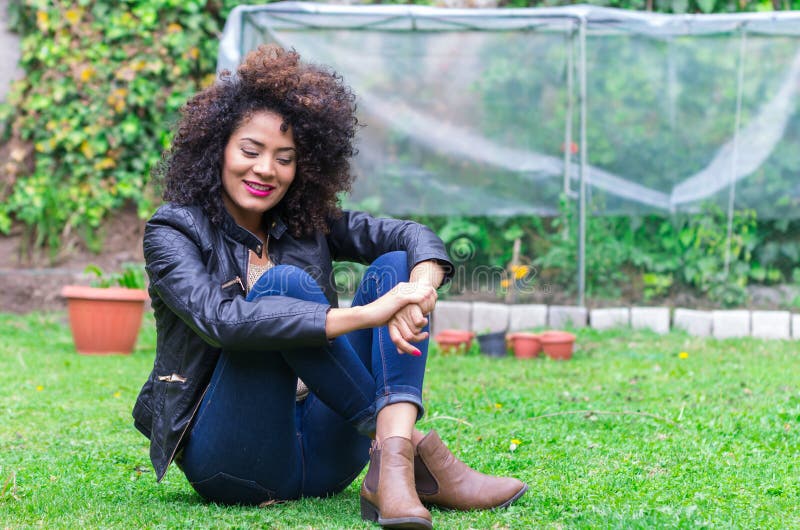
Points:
(557, 345)
(525, 345)
(453, 341)
(104, 320)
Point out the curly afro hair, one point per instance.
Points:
(312, 99)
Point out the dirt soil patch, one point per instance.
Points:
(32, 280)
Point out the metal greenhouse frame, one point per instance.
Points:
(759, 56)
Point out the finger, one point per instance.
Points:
(429, 303)
(407, 347)
(417, 317)
(403, 346)
(419, 337)
(410, 332)
(407, 332)
(399, 342)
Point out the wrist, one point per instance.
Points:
(428, 272)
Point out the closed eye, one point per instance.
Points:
(285, 161)
(249, 153)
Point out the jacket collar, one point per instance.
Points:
(246, 237)
(277, 227)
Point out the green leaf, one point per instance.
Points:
(706, 6)
(680, 7)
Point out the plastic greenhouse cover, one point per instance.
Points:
(477, 111)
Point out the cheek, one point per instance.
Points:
(288, 175)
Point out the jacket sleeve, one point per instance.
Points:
(221, 317)
(357, 236)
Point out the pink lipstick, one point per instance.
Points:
(259, 190)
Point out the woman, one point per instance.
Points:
(262, 388)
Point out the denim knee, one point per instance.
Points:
(395, 262)
(287, 280)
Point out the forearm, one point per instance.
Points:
(427, 271)
(345, 320)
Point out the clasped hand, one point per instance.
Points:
(404, 309)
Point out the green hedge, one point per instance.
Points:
(103, 83)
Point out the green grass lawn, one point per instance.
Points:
(710, 439)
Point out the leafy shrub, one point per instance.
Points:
(694, 248)
(103, 83)
(647, 258)
(132, 276)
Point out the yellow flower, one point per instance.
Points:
(39, 388)
(87, 150)
(516, 441)
(174, 28)
(504, 284)
(117, 99)
(520, 271)
(514, 444)
(683, 355)
(117, 394)
(87, 73)
(194, 52)
(42, 20)
(72, 16)
(105, 163)
(498, 406)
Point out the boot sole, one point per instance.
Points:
(516, 497)
(509, 502)
(369, 512)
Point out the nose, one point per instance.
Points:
(263, 167)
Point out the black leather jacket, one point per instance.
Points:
(197, 273)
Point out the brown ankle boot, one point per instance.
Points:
(387, 494)
(445, 481)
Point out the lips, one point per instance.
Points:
(258, 189)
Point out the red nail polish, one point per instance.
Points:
(417, 353)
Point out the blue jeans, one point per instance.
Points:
(251, 442)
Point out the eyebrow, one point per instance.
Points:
(261, 144)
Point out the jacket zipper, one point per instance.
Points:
(237, 280)
(183, 433)
(172, 378)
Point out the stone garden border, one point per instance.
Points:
(483, 317)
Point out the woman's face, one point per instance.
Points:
(259, 165)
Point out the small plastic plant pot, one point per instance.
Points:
(493, 344)
(558, 345)
(525, 345)
(454, 341)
